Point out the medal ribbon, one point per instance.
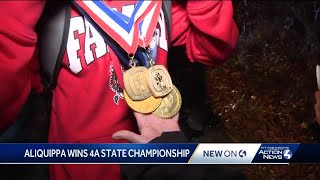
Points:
(125, 31)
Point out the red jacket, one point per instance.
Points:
(88, 106)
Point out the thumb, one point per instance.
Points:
(129, 136)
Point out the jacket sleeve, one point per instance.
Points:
(177, 172)
(206, 28)
(18, 64)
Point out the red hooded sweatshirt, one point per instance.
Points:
(88, 105)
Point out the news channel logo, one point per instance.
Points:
(225, 153)
(287, 154)
(274, 153)
(242, 153)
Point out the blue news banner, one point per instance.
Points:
(220, 153)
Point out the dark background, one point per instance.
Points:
(265, 92)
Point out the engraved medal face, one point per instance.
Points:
(159, 81)
(170, 104)
(145, 106)
(135, 83)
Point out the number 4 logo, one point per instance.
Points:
(287, 154)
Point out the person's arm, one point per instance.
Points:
(17, 56)
(150, 127)
(157, 130)
(206, 28)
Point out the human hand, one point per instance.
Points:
(317, 106)
(150, 127)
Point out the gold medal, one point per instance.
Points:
(159, 81)
(170, 104)
(145, 106)
(135, 83)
